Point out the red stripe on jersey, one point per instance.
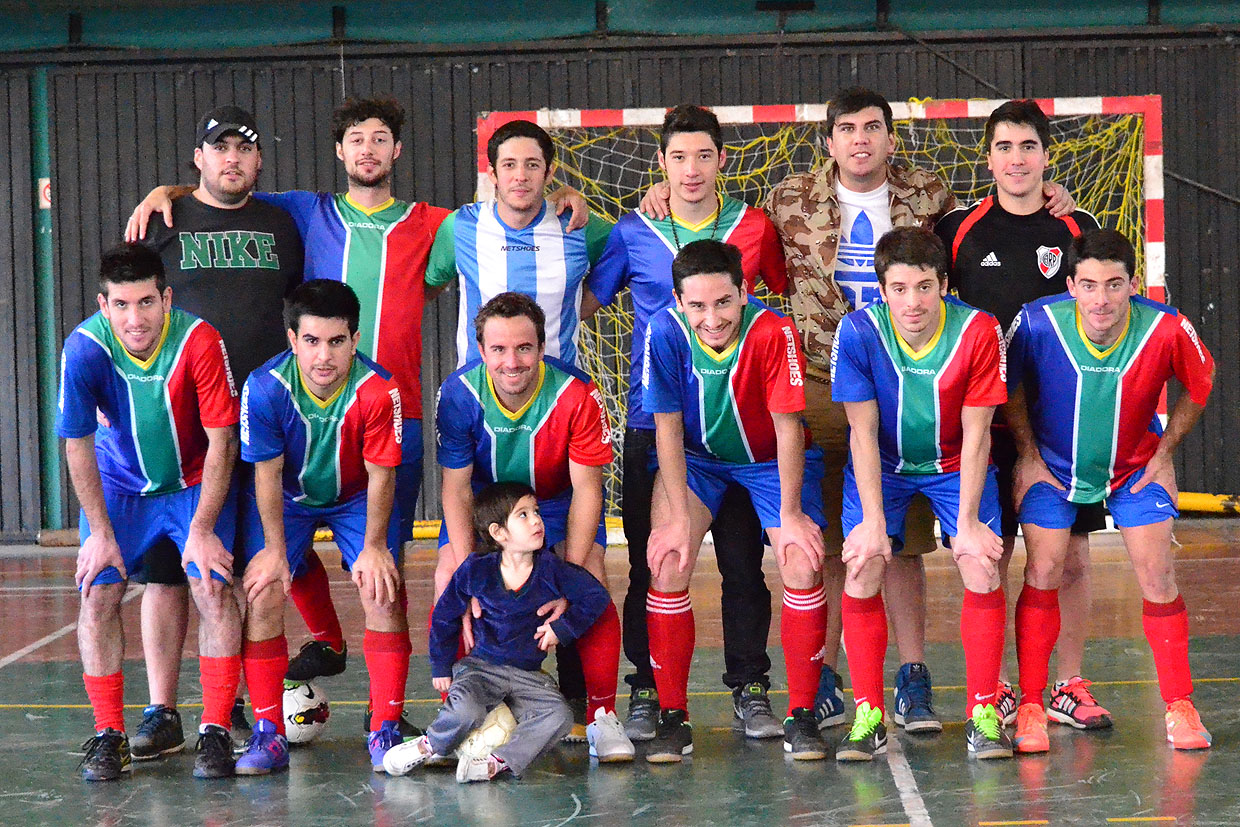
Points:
(762, 254)
(367, 434)
(578, 413)
(198, 390)
(1073, 227)
(769, 378)
(975, 216)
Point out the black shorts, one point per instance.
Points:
(1089, 518)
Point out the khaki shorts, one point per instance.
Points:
(829, 425)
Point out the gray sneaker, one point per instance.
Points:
(643, 717)
(753, 712)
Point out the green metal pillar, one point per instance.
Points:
(45, 302)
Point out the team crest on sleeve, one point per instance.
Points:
(1049, 259)
(398, 422)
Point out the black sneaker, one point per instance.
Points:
(673, 738)
(801, 737)
(867, 738)
(643, 717)
(752, 710)
(576, 735)
(316, 660)
(984, 734)
(160, 733)
(215, 753)
(237, 720)
(405, 726)
(107, 756)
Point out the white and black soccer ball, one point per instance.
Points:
(494, 731)
(305, 712)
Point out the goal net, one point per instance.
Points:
(1106, 151)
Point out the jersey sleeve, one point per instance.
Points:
(382, 435)
(441, 264)
(589, 442)
(945, 228)
(75, 416)
(213, 379)
(262, 438)
(587, 600)
(784, 369)
(598, 230)
(445, 633)
(454, 437)
(297, 203)
(1018, 348)
(1192, 362)
(772, 265)
(662, 391)
(610, 274)
(987, 364)
(851, 377)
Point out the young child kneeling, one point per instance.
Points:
(510, 639)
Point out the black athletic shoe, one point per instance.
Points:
(984, 734)
(404, 725)
(215, 753)
(160, 733)
(801, 737)
(867, 738)
(237, 719)
(107, 756)
(316, 660)
(673, 738)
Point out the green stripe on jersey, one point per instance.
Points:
(365, 257)
(513, 434)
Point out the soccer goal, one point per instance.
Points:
(1106, 151)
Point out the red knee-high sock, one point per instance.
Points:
(265, 662)
(669, 623)
(1166, 628)
(107, 699)
(1037, 629)
(387, 661)
(311, 592)
(865, 644)
(982, 618)
(802, 630)
(599, 650)
(220, 677)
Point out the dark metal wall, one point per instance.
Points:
(119, 128)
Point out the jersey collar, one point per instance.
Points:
(515, 415)
(1093, 349)
(322, 403)
(701, 225)
(368, 210)
(150, 360)
(934, 340)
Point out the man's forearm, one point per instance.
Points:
(673, 469)
(974, 458)
(584, 510)
(1183, 419)
(87, 484)
(790, 457)
(380, 493)
(217, 468)
(269, 493)
(866, 460)
(1016, 413)
(458, 510)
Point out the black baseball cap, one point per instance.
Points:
(224, 119)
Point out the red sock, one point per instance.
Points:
(982, 619)
(865, 644)
(1037, 630)
(107, 699)
(802, 630)
(599, 650)
(1166, 628)
(220, 677)
(669, 623)
(387, 661)
(312, 594)
(265, 663)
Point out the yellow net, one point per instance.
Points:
(1098, 158)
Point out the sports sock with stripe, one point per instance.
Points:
(669, 623)
(802, 630)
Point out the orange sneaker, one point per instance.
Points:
(1184, 727)
(1031, 729)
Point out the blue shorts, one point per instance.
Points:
(409, 476)
(140, 523)
(347, 521)
(1046, 506)
(708, 478)
(942, 490)
(554, 513)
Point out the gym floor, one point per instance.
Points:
(1126, 775)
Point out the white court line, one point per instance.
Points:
(902, 773)
(56, 635)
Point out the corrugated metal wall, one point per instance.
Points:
(120, 128)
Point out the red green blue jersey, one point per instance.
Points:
(1093, 410)
(326, 443)
(920, 393)
(382, 253)
(541, 260)
(639, 256)
(727, 397)
(564, 420)
(156, 409)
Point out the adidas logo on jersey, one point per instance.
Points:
(991, 260)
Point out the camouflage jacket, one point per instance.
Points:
(806, 213)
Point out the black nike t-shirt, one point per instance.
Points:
(232, 268)
(998, 261)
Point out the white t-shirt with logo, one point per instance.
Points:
(865, 217)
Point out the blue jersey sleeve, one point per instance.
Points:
(1018, 348)
(665, 354)
(446, 617)
(262, 438)
(454, 437)
(297, 203)
(79, 397)
(610, 273)
(587, 600)
(852, 377)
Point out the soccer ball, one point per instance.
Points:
(491, 734)
(305, 712)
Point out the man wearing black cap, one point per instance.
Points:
(231, 259)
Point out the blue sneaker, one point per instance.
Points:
(266, 750)
(829, 702)
(381, 741)
(914, 699)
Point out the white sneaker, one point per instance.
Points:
(474, 769)
(608, 743)
(403, 757)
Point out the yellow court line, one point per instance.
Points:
(1010, 823)
(1143, 819)
(904, 824)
